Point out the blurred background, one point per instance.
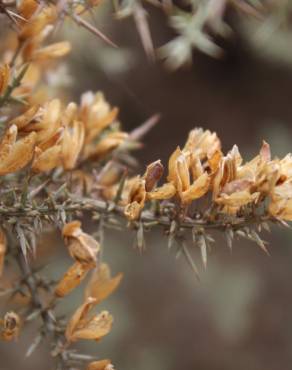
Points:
(239, 315)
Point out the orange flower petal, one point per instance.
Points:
(101, 285)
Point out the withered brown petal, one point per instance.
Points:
(100, 365)
(79, 316)
(72, 228)
(20, 154)
(198, 189)
(95, 328)
(101, 284)
(72, 278)
(11, 326)
(47, 160)
(165, 191)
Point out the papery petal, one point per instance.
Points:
(100, 365)
(101, 285)
(165, 191)
(79, 317)
(72, 278)
(95, 328)
(20, 154)
(47, 160)
(198, 189)
(56, 50)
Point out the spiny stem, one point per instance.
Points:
(103, 207)
(49, 323)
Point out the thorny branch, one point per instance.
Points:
(111, 209)
(47, 315)
(84, 141)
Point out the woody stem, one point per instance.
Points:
(106, 208)
(46, 314)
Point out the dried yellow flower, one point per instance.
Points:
(11, 326)
(83, 326)
(166, 191)
(202, 144)
(96, 114)
(81, 246)
(236, 185)
(106, 145)
(24, 119)
(26, 8)
(101, 284)
(47, 160)
(37, 22)
(136, 201)
(72, 144)
(180, 176)
(57, 50)
(45, 121)
(100, 365)
(140, 188)
(15, 154)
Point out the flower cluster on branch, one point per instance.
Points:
(62, 161)
(232, 186)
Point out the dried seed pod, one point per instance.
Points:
(11, 326)
(72, 278)
(152, 175)
(81, 246)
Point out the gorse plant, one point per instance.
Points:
(63, 161)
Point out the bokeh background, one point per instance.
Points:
(240, 315)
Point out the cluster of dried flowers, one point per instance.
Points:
(200, 169)
(60, 161)
(50, 149)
